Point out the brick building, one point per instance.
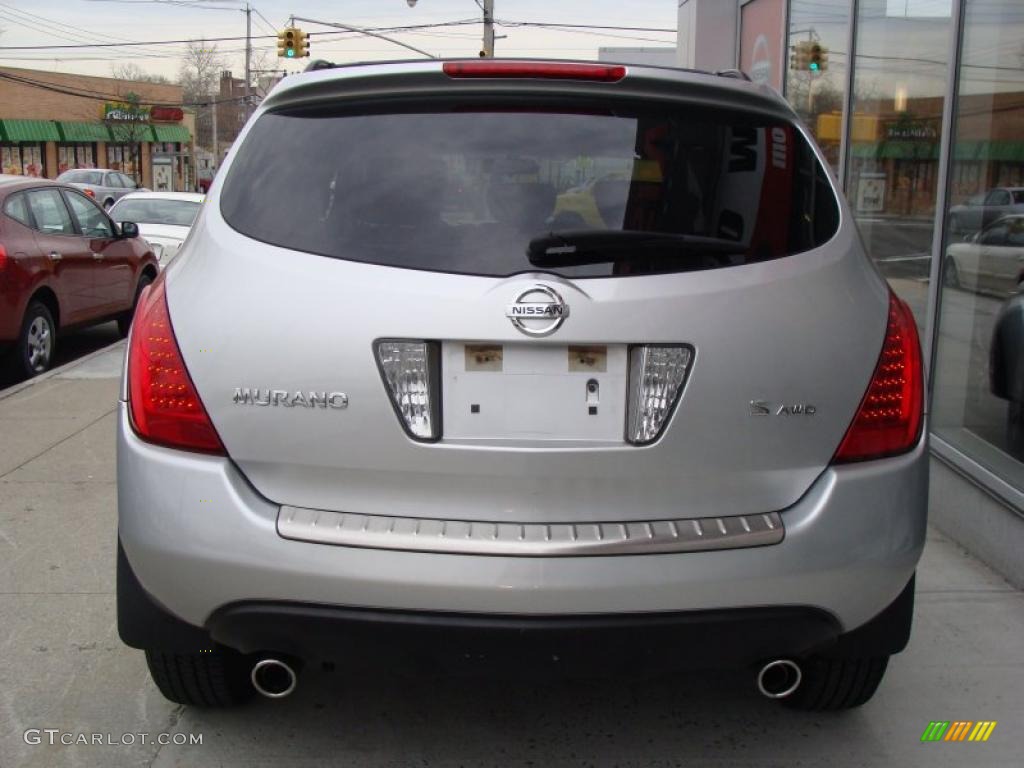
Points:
(53, 121)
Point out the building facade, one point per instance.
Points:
(918, 105)
(51, 122)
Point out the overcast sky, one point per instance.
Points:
(49, 22)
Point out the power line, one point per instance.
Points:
(402, 28)
(508, 23)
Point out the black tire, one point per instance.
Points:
(834, 684)
(33, 354)
(215, 678)
(124, 322)
(950, 273)
(107, 204)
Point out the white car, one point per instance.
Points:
(164, 218)
(992, 261)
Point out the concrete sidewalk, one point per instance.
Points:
(63, 667)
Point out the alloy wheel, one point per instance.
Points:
(40, 344)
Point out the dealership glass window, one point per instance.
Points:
(121, 157)
(22, 159)
(818, 94)
(899, 86)
(978, 404)
(75, 156)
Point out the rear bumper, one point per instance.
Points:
(198, 539)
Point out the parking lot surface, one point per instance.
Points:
(63, 668)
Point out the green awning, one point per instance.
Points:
(172, 133)
(80, 131)
(865, 151)
(909, 150)
(29, 130)
(1012, 151)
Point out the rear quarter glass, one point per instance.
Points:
(462, 189)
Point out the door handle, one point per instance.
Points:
(55, 256)
(98, 256)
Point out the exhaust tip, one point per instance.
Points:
(273, 678)
(779, 679)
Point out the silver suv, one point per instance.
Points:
(546, 363)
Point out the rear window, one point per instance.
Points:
(85, 177)
(142, 210)
(468, 190)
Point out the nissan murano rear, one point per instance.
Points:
(550, 363)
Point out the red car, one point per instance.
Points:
(63, 263)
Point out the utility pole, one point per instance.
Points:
(216, 153)
(248, 55)
(488, 50)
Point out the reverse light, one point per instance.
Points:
(535, 69)
(888, 421)
(164, 405)
(411, 372)
(656, 378)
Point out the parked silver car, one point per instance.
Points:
(984, 208)
(102, 184)
(383, 404)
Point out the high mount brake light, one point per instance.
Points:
(164, 405)
(888, 421)
(602, 73)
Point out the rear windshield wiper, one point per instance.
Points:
(600, 246)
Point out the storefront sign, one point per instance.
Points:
(871, 193)
(166, 114)
(912, 129)
(125, 113)
(761, 41)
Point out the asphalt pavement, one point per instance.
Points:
(63, 669)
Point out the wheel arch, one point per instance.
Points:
(46, 296)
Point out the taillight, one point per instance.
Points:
(546, 70)
(3, 257)
(164, 405)
(411, 372)
(888, 421)
(656, 378)
(89, 192)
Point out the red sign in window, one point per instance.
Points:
(166, 114)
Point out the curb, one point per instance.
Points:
(16, 388)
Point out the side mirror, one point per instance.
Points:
(129, 229)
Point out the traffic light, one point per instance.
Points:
(286, 43)
(301, 44)
(808, 56)
(818, 58)
(292, 43)
(797, 57)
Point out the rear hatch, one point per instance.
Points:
(628, 301)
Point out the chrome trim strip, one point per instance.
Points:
(463, 537)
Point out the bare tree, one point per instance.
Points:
(135, 74)
(199, 77)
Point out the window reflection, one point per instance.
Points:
(979, 374)
(900, 70)
(817, 94)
